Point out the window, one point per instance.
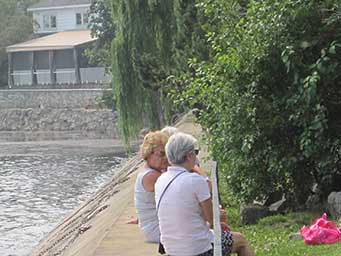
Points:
(49, 22)
(82, 19)
(53, 21)
(78, 18)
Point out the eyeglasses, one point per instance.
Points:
(196, 151)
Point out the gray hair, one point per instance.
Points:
(179, 146)
(170, 130)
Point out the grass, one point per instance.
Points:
(270, 236)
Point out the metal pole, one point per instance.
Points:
(76, 66)
(216, 211)
(34, 80)
(10, 70)
(52, 66)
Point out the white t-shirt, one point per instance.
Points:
(184, 231)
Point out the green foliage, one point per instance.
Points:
(131, 97)
(270, 237)
(153, 42)
(269, 94)
(102, 26)
(15, 26)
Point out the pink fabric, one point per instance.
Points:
(321, 231)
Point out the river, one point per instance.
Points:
(43, 181)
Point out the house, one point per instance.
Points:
(56, 56)
(51, 16)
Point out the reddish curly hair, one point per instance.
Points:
(151, 141)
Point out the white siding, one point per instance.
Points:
(66, 19)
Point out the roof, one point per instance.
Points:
(52, 4)
(58, 41)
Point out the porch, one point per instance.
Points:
(54, 60)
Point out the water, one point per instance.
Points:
(43, 181)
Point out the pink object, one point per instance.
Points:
(321, 231)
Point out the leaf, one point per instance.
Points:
(332, 49)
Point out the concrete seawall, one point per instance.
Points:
(79, 233)
(98, 227)
(37, 110)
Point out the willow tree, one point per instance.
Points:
(154, 39)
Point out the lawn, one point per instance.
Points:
(270, 236)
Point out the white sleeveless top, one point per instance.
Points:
(146, 209)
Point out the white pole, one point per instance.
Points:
(216, 212)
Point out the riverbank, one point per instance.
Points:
(85, 227)
(98, 226)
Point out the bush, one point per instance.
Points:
(269, 95)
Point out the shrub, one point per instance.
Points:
(269, 95)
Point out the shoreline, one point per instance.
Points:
(98, 227)
(85, 218)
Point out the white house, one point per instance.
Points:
(51, 16)
(56, 57)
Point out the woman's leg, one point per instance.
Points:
(241, 245)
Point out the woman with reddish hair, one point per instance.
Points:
(152, 151)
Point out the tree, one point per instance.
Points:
(102, 27)
(153, 42)
(269, 95)
(16, 25)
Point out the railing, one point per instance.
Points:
(216, 211)
(65, 76)
(89, 75)
(94, 75)
(22, 77)
(43, 76)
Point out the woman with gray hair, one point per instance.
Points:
(171, 130)
(184, 206)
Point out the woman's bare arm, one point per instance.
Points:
(206, 207)
(149, 180)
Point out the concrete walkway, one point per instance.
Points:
(119, 238)
(125, 239)
(98, 228)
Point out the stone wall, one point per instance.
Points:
(78, 110)
(58, 98)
